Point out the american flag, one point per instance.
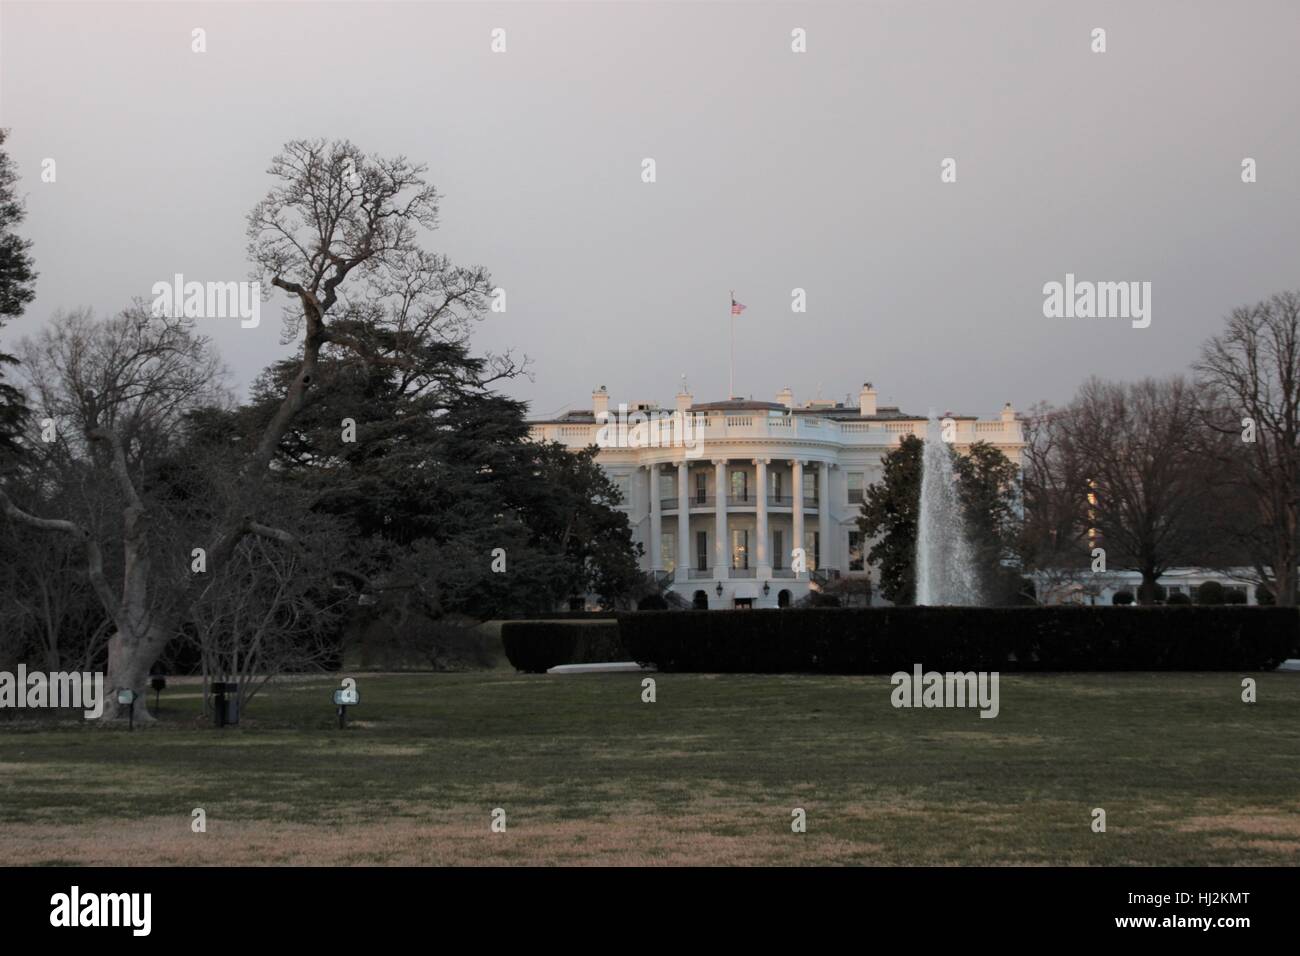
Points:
(736, 307)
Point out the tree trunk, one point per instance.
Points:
(1147, 590)
(129, 663)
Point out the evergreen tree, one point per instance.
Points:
(17, 279)
(891, 511)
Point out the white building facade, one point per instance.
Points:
(722, 496)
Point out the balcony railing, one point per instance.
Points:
(782, 573)
(719, 426)
(701, 574)
(667, 504)
(743, 572)
(780, 501)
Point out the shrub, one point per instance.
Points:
(1211, 593)
(537, 646)
(1178, 597)
(1122, 598)
(652, 602)
(885, 640)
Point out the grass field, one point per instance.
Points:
(588, 773)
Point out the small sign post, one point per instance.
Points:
(127, 697)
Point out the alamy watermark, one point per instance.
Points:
(950, 689)
(650, 429)
(38, 690)
(209, 300)
(1073, 299)
(75, 908)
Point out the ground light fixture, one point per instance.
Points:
(344, 698)
(127, 698)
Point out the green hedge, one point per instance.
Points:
(885, 640)
(537, 646)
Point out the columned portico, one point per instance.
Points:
(683, 521)
(824, 512)
(720, 562)
(656, 521)
(764, 560)
(796, 479)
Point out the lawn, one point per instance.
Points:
(708, 774)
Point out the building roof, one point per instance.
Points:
(737, 405)
(823, 408)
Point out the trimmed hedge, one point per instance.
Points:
(537, 646)
(885, 640)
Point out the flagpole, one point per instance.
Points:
(731, 381)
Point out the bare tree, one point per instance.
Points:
(1054, 541)
(1137, 445)
(1250, 374)
(267, 611)
(335, 221)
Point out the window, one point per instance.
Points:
(668, 550)
(810, 485)
(855, 551)
(812, 545)
(701, 487)
(776, 485)
(739, 485)
(624, 487)
(778, 549)
(740, 547)
(857, 485)
(701, 550)
(667, 486)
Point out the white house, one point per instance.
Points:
(722, 495)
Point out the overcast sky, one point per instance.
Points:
(775, 170)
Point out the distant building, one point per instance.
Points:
(1083, 587)
(722, 494)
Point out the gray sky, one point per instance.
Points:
(775, 170)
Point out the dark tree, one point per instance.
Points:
(989, 488)
(891, 510)
(17, 288)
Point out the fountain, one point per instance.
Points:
(945, 567)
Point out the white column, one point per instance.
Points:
(656, 521)
(683, 521)
(720, 562)
(796, 479)
(824, 512)
(763, 562)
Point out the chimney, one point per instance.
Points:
(786, 397)
(867, 400)
(684, 400)
(600, 402)
(1008, 413)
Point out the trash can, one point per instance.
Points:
(225, 703)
